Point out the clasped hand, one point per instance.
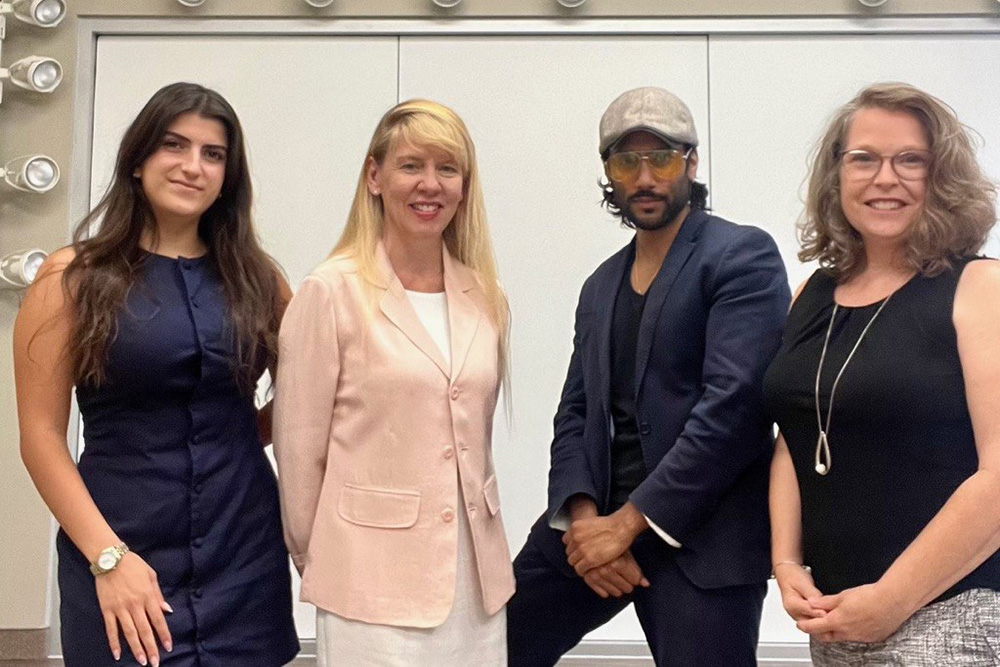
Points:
(617, 578)
(594, 541)
(860, 614)
(597, 547)
(130, 596)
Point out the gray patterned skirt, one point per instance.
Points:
(958, 632)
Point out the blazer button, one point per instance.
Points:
(454, 393)
(449, 452)
(472, 510)
(448, 514)
(644, 428)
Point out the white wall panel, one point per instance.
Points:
(532, 105)
(308, 106)
(771, 98)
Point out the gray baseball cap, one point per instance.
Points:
(651, 109)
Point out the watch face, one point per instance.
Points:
(107, 560)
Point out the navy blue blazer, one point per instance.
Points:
(712, 323)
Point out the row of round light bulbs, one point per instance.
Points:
(453, 3)
(439, 3)
(30, 173)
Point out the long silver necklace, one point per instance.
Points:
(823, 461)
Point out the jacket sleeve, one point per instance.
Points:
(725, 431)
(308, 367)
(570, 469)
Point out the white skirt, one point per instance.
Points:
(467, 637)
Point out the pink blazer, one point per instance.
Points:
(373, 433)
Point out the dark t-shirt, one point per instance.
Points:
(627, 467)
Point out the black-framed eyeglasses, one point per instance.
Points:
(664, 164)
(909, 165)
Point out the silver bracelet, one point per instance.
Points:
(789, 562)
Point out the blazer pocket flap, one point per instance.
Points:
(379, 508)
(492, 495)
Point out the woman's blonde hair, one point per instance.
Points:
(429, 125)
(959, 206)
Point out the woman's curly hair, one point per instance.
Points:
(959, 207)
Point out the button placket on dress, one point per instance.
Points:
(192, 280)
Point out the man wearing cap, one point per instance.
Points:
(658, 479)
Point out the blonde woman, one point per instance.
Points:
(886, 480)
(394, 350)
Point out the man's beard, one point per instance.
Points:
(675, 202)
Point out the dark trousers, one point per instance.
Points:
(685, 626)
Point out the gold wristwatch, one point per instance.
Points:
(108, 559)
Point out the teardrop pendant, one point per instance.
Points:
(823, 452)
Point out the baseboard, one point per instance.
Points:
(791, 654)
(597, 653)
(30, 644)
(23, 644)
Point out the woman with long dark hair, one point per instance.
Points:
(163, 313)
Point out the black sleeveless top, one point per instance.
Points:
(900, 438)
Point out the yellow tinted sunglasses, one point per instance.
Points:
(664, 164)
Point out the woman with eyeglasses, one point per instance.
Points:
(392, 355)
(163, 317)
(885, 482)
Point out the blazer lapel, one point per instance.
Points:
(672, 265)
(463, 313)
(398, 309)
(604, 314)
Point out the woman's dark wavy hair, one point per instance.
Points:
(698, 197)
(959, 204)
(109, 262)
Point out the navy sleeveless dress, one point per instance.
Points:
(173, 460)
